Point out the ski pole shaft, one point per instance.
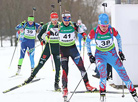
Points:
(83, 49)
(14, 52)
(79, 83)
(123, 87)
(59, 1)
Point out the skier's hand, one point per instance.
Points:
(48, 33)
(42, 42)
(91, 58)
(84, 36)
(122, 57)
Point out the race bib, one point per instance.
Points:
(67, 37)
(29, 32)
(54, 36)
(104, 43)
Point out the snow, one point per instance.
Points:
(41, 91)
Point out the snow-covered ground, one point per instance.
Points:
(41, 91)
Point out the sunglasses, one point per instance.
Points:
(54, 19)
(67, 18)
(104, 25)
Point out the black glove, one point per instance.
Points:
(122, 57)
(91, 57)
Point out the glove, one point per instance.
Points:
(49, 33)
(84, 36)
(42, 42)
(91, 58)
(122, 57)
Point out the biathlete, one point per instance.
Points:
(28, 41)
(106, 53)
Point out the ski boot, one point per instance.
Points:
(134, 95)
(29, 79)
(102, 96)
(19, 69)
(65, 94)
(56, 86)
(89, 87)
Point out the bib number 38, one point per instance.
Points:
(105, 43)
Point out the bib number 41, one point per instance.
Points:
(66, 36)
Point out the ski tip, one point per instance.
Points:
(5, 91)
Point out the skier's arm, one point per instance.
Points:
(84, 27)
(52, 30)
(118, 37)
(75, 26)
(19, 26)
(37, 26)
(90, 36)
(43, 30)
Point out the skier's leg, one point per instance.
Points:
(64, 64)
(44, 57)
(31, 55)
(22, 54)
(116, 63)
(109, 71)
(79, 39)
(118, 66)
(79, 63)
(31, 47)
(57, 74)
(101, 66)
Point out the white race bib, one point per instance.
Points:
(29, 32)
(67, 37)
(104, 43)
(54, 35)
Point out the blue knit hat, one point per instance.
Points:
(103, 19)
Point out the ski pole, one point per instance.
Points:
(53, 6)
(59, 1)
(123, 87)
(83, 49)
(104, 5)
(14, 52)
(78, 83)
(51, 54)
(34, 9)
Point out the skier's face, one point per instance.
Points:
(30, 22)
(66, 20)
(103, 27)
(54, 21)
(66, 23)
